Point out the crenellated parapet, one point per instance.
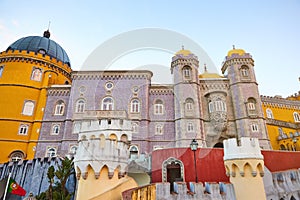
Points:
(279, 102)
(161, 89)
(236, 59)
(112, 75)
(37, 59)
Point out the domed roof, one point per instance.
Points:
(236, 51)
(42, 45)
(183, 52)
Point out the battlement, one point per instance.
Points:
(205, 191)
(248, 149)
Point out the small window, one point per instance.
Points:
(73, 149)
(36, 74)
(134, 152)
(186, 72)
(80, 106)
(217, 106)
(296, 117)
(23, 129)
(134, 127)
(189, 104)
(16, 156)
(254, 128)
(244, 71)
(109, 121)
(51, 152)
(55, 129)
(190, 127)
(158, 107)
(159, 129)
(107, 103)
(269, 113)
(1, 70)
(109, 85)
(28, 108)
(59, 108)
(135, 106)
(251, 104)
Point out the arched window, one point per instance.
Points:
(16, 156)
(269, 113)
(135, 106)
(186, 72)
(51, 152)
(217, 106)
(159, 129)
(107, 103)
(254, 128)
(158, 107)
(190, 127)
(23, 129)
(244, 71)
(1, 70)
(28, 108)
(55, 129)
(134, 127)
(133, 152)
(296, 117)
(73, 149)
(36, 74)
(251, 106)
(80, 106)
(59, 108)
(189, 104)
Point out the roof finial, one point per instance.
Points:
(182, 47)
(233, 46)
(205, 68)
(47, 32)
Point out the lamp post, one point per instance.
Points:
(194, 146)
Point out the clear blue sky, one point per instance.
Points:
(269, 30)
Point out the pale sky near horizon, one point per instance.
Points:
(268, 30)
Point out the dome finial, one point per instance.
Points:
(233, 46)
(47, 32)
(182, 47)
(205, 68)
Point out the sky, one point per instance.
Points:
(268, 30)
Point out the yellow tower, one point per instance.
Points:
(245, 165)
(27, 68)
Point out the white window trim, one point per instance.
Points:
(28, 109)
(107, 105)
(39, 77)
(47, 151)
(135, 127)
(23, 129)
(80, 106)
(269, 113)
(159, 129)
(159, 108)
(52, 128)
(254, 128)
(135, 106)
(190, 127)
(59, 108)
(296, 117)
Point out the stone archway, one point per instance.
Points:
(172, 171)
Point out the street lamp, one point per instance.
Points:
(194, 146)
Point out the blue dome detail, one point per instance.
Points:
(41, 45)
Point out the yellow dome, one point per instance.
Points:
(184, 52)
(236, 51)
(210, 75)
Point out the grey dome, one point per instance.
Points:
(41, 45)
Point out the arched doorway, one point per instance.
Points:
(219, 145)
(172, 171)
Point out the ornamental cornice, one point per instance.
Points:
(161, 89)
(182, 61)
(236, 61)
(112, 75)
(59, 91)
(214, 86)
(35, 59)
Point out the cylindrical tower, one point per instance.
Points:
(244, 165)
(27, 68)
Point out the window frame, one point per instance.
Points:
(158, 107)
(1, 70)
(254, 128)
(48, 152)
(187, 72)
(269, 113)
(28, 110)
(80, 106)
(107, 105)
(34, 76)
(159, 129)
(296, 117)
(55, 128)
(59, 108)
(135, 106)
(190, 127)
(23, 129)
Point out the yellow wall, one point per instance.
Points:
(282, 113)
(103, 187)
(16, 87)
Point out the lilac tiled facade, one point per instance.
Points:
(206, 107)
